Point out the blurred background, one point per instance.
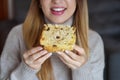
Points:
(104, 16)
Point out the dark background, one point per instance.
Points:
(104, 16)
(105, 19)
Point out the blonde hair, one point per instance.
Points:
(33, 26)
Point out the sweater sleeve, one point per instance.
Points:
(12, 66)
(94, 68)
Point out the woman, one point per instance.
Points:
(24, 59)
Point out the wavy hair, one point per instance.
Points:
(33, 25)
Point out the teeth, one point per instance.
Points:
(58, 9)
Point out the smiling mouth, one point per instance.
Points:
(58, 11)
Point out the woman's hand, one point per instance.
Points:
(35, 57)
(75, 59)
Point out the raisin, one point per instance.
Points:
(61, 28)
(57, 37)
(48, 29)
(43, 38)
(54, 45)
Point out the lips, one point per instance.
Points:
(58, 10)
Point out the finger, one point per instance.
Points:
(35, 66)
(32, 51)
(72, 55)
(82, 60)
(37, 55)
(42, 59)
(28, 62)
(79, 59)
(79, 50)
(67, 59)
(68, 64)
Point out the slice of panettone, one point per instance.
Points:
(58, 37)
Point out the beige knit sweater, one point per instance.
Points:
(14, 68)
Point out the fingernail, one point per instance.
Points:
(40, 48)
(45, 51)
(67, 51)
(59, 52)
(50, 54)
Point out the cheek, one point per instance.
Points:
(44, 9)
(72, 5)
(72, 8)
(45, 6)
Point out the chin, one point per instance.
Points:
(58, 22)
